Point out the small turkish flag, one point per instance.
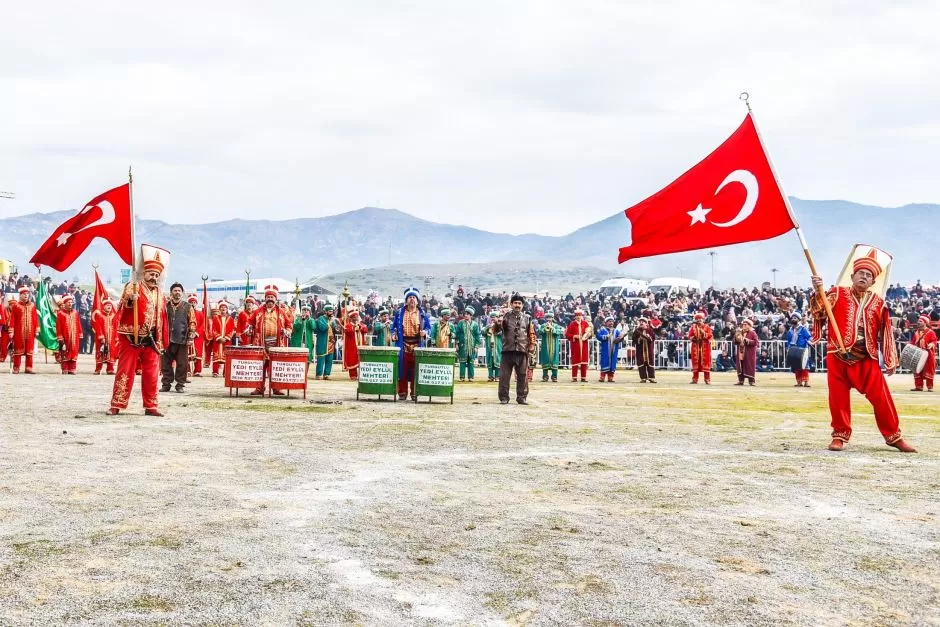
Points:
(729, 197)
(108, 216)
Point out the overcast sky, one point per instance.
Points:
(508, 116)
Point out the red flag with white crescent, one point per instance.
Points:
(729, 197)
(107, 216)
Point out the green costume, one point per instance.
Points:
(304, 335)
(550, 347)
(494, 350)
(381, 334)
(442, 332)
(327, 330)
(468, 341)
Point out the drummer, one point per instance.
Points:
(858, 367)
(925, 339)
(798, 337)
(269, 327)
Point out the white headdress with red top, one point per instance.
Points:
(270, 291)
(925, 320)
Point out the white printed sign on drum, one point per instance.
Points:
(251, 370)
(288, 371)
(376, 372)
(435, 374)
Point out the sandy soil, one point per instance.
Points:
(597, 504)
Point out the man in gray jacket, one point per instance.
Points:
(181, 320)
(518, 342)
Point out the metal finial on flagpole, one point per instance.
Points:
(745, 97)
(205, 277)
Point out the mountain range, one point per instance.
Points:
(319, 248)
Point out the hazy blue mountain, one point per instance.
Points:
(372, 237)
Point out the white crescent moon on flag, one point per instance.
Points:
(107, 215)
(749, 181)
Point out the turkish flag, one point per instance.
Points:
(101, 294)
(108, 216)
(729, 197)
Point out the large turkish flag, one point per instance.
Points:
(107, 216)
(729, 197)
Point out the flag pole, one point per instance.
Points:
(820, 292)
(130, 191)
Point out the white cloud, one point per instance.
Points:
(526, 116)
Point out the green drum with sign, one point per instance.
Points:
(434, 372)
(378, 371)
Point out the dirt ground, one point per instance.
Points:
(597, 504)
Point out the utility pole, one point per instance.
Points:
(774, 270)
(712, 255)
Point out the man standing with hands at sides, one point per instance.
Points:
(142, 326)
(411, 327)
(104, 325)
(518, 344)
(701, 337)
(747, 342)
(867, 326)
(550, 347)
(327, 332)
(644, 340)
(181, 329)
(578, 333)
(24, 323)
(68, 330)
(468, 341)
(494, 345)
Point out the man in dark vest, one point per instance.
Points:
(518, 343)
(181, 331)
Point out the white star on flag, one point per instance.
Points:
(698, 214)
(60, 241)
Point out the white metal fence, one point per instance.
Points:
(675, 354)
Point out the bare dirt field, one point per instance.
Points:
(597, 504)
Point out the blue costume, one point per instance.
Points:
(610, 340)
(406, 345)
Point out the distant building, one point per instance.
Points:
(233, 291)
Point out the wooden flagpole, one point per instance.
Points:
(820, 291)
(130, 192)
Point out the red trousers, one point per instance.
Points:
(128, 356)
(17, 359)
(707, 373)
(574, 372)
(4, 342)
(802, 376)
(68, 365)
(407, 374)
(926, 375)
(866, 377)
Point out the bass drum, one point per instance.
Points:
(913, 358)
(798, 358)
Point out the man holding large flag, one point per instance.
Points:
(142, 326)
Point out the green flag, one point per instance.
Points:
(47, 335)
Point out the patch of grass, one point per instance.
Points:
(279, 467)
(269, 407)
(875, 564)
(151, 603)
(164, 542)
(38, 549)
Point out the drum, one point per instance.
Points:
(244, 367)
(434, 372)
(798, 358)
(288, 368)
(913, 358)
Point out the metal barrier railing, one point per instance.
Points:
(675, 355)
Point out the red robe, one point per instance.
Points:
(926, 340)
(222, 330)
(701, 337)
(151, 321)
(277, 319)
(874, 316)
(4, 333)
(68, 330)
(24, 320)
(579, 347)
(244, 328)
(199, 341)
(105, 328)
(354, 336)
